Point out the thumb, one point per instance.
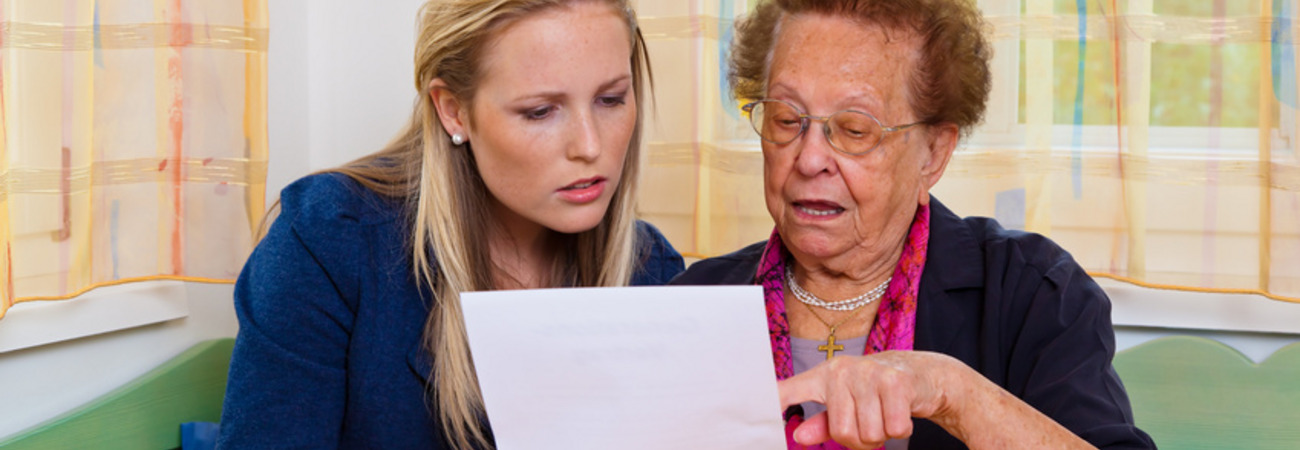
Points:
(813, 431)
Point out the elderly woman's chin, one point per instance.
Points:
(819, 240)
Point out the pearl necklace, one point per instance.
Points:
(843, 305)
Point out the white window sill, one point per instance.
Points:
(103, 310)
(1160, 308)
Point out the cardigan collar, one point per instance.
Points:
(954, 263)
(961, 264)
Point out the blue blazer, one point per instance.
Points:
(1015, 307)
(329, 352)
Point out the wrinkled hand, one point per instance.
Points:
(871, 399)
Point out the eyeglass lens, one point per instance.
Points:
(780, 123)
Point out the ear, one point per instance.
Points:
(453, 115)
(943, 142)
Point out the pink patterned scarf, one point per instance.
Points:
(895, 325)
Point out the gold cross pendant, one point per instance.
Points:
(830, 347)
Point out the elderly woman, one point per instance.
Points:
(969, 334)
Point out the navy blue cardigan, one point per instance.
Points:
(1015, 307)
(330, 320)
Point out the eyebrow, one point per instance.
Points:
(556, 96)
(783, 87)
(867, 102)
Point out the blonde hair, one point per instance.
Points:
(445, 196)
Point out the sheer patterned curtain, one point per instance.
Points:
(1156, 140)
(132, 142)
(703, 183)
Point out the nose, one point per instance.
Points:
(586, 138)
(813, 151)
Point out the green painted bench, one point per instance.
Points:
(1196, 393)
(146, 413)
(1187, 392)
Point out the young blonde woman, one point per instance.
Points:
(518, 170)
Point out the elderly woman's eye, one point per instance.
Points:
(785, 120)
(855, 133)
(853, 127)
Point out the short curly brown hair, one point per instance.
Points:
(951, 83)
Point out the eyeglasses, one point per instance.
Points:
(850, 132)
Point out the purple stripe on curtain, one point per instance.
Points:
(1076, 140)
(1283, 49)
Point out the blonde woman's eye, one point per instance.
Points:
(612, 100)
(538, 113)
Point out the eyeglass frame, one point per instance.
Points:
(805, 121)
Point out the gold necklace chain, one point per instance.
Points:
(830, 347)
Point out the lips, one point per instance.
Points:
(583, 191)
(817, 208)
(581, 184)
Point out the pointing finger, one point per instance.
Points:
(804, 387)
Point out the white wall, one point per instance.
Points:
(340, 87)
(340, 81)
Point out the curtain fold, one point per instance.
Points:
(132, 142)
(1156, 140)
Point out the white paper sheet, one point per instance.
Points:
(676, 367)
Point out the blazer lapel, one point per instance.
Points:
(420, 362)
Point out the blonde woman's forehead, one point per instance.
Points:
(575, 48)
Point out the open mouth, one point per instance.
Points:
(818, 208)
(581, 184)
(583, 191)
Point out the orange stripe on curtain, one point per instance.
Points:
(255, 111)
(180, 38)
(7, 270)
(1266, 106)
